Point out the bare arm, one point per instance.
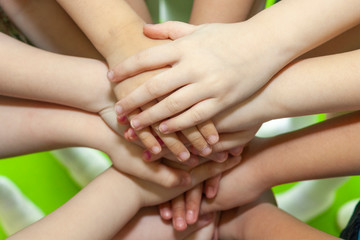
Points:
(48, 26)
(28, 72)
(275, 224)
(327, 149)
(223, 11)
(309, 86)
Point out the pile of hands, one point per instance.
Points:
(186, 117)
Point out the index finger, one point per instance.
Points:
(148, 59)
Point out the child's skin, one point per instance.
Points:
(183, 210)
(98, 136)
(114, 51)
(50, 126)
(108, 24)
(289, 94)
(125, 44)
(291, 157)
(83, 79)
(262, 220)
(34, 76)
(284, 36)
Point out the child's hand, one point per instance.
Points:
(147, 220)
(232, 222)
(245, 181)
(210, 73)
(201, 137)
(152, 194)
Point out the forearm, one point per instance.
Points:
(98, 211)
(28, 72)
(315, 85)
(216, 11)
(300, 33)
(34, 126)
(328, 149)
(114, 28)
(276, 224)
(48, 26)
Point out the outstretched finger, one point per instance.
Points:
(165, 211)
(212, 186)
(153, 88)
(192, 204)
(178, 209)
(197, 114)
(148, 59)
(168, 30)
(175, 103)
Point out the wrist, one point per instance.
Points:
(259, 164)
(121, 45)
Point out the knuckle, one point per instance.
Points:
(170, 180)
(175, 146)
(173, 105)
(197, 115)
(151, 87)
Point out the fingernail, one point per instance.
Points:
(190, 215)
(121, 119)
(118, 109)
(221, 157)
(210, 192)
(110, 75)
(180, 223)
(206, 151)
(236, 151)
(135, 123)
(126, 135)
(184, 156)
(212, 139)
(163, 128)
(166, 213)
(155, 150)
(146, 155)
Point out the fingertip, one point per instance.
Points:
(206, 151)
(221, 157)
(135, 123)
(119, 109)
(236, 151)
(163, 128)
(165, 213)
(146, 155)
(122, 120)
(210, 192)
(213, 139)
(179, 224)
(111, 75)
(184, 156)
(191, 217)
(156, 149)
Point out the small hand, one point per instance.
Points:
(210, 73)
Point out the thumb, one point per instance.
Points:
(168, 30)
